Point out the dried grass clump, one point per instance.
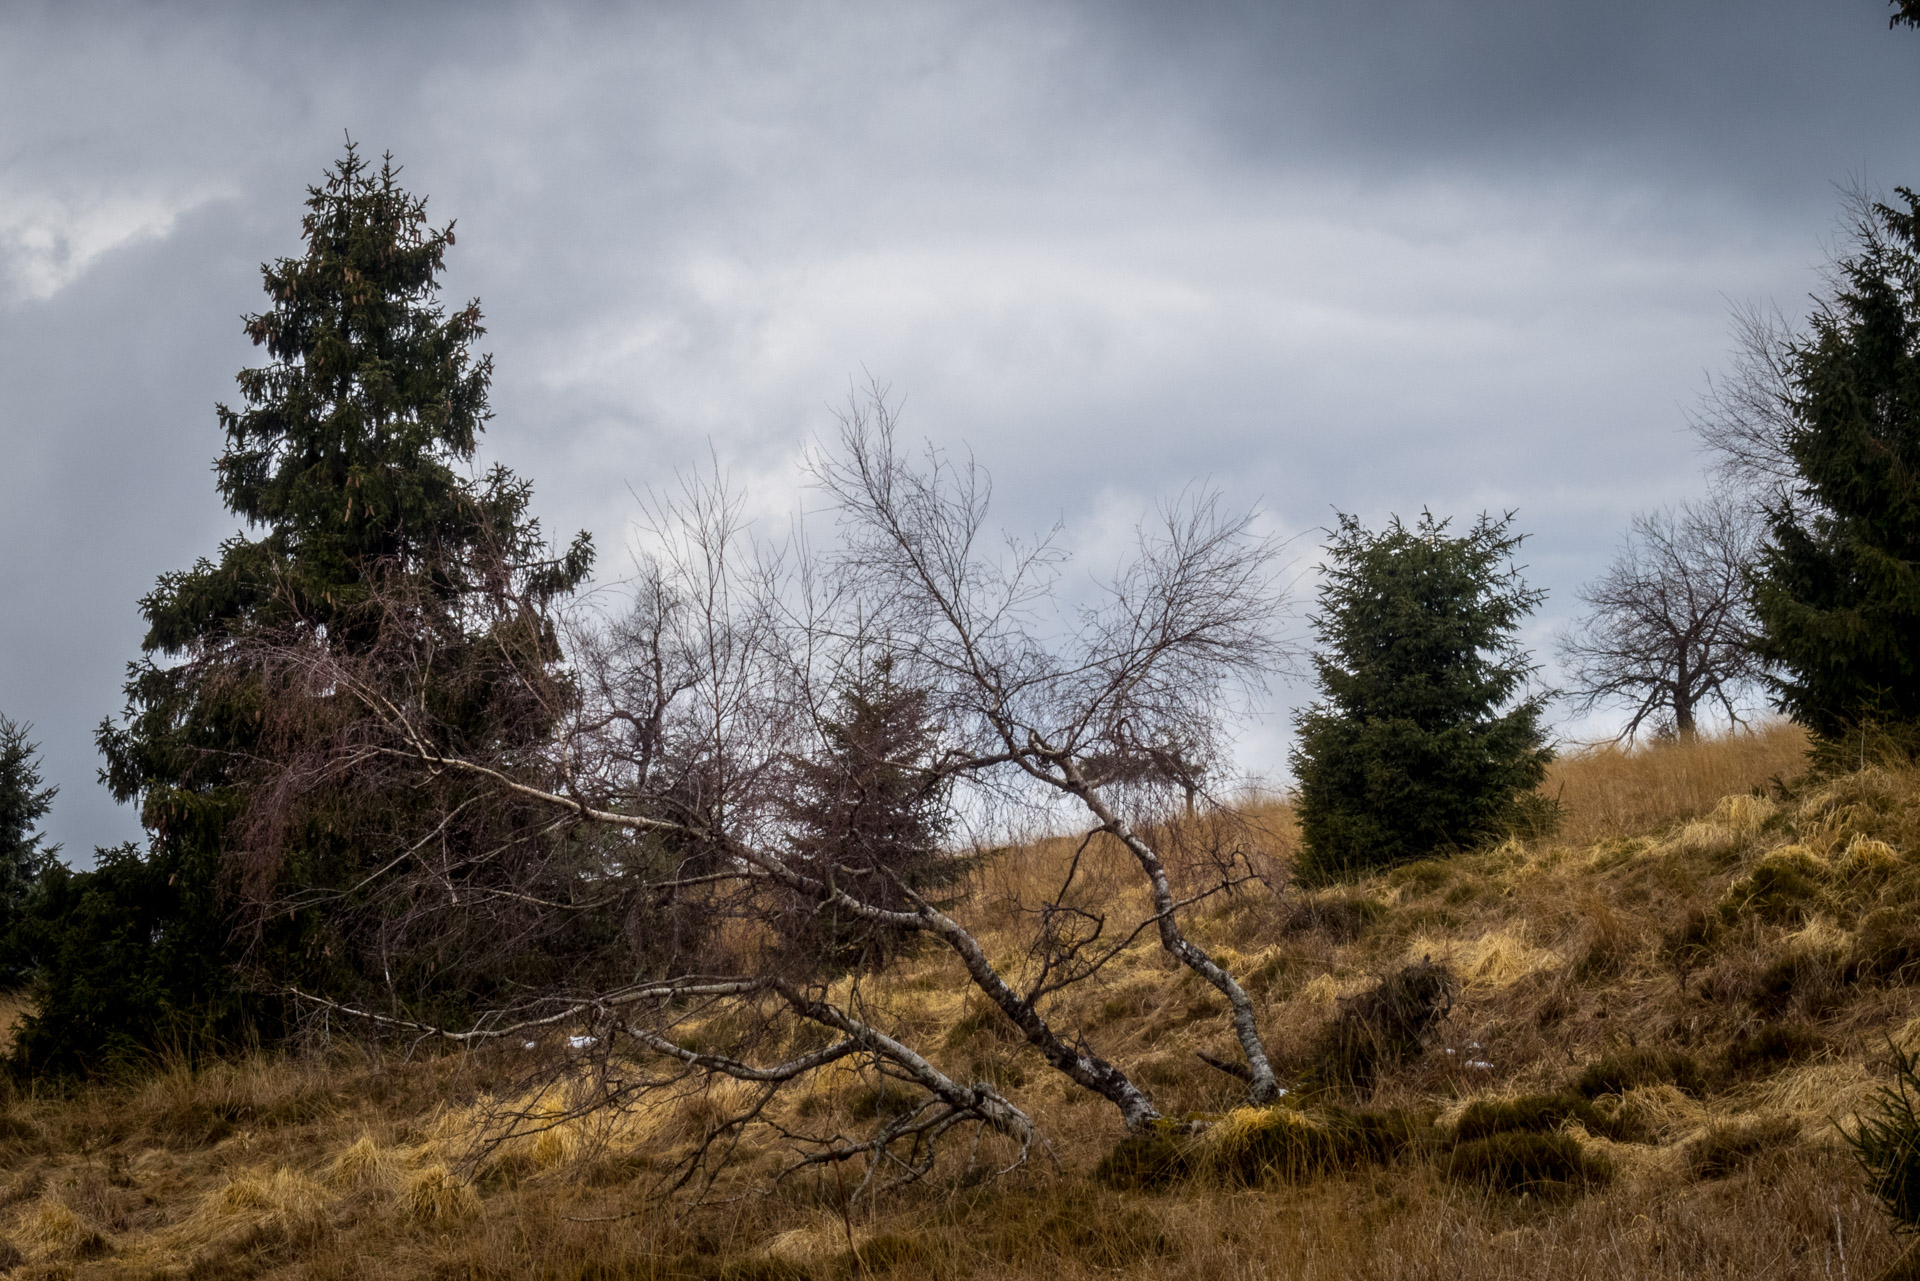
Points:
(52, 1230)
(1867, 802)
(1251, 1146)
(282, 1205)
(704, 1112)
(1744, 815)
(1867, 859)
(1887, 944)
(364, 1164)
(199, 1105)
(1786, 886)
(1608, 940)
(1811, 973)
(434, 1195)
(1493, 959)
(1816, 1093)
(1342, 915)
(1158, 1158)
(1384, 1025)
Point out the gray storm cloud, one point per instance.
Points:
(1467, 256)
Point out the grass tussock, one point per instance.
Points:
(1625, 1070)
(1524, 1163)
(1728, 1147)
(1617, 1050)
(1544, 1114)
(1254, 1147)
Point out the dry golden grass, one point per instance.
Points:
(1570, 949)
(1608, 790)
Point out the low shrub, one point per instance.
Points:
(1515, 1162)
(1730, 1147)
(1624, 1070)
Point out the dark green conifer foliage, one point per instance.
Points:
(1417, 744)
(1837, 593)
(24, 858)
(869, 806)
(347, 457)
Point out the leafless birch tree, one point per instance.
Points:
(669, 781)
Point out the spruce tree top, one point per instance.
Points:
(1418, 625)
(347, 455)
(347, 448)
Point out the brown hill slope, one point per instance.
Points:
(1660, 1014)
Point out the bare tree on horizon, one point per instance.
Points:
(1668, 627)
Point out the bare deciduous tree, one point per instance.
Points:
(1668, 625)
(1745, 418)
(668, 787)
(1748, 417)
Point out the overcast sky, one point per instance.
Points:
(1465, 255)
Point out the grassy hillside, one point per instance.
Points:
(1661, 1013)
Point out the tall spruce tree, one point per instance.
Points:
(1837, 592)
(347, 457)
(1420, 742)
